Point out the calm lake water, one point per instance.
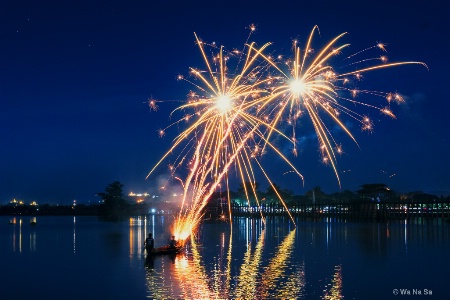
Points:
(84, 258)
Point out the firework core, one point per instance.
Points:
(297, 87)
(223, 103)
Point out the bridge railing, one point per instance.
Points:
(351, 210)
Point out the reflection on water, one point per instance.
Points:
(139, 228)
(33, 241)
(247, 278)
(227, 274)
(74, 235)
(273, 285)
(335, 287)
(329, 259)
(17, 236)
(250, 269)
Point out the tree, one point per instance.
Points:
(113, 201)
(316, 195)
(375, 192)
(343, 196)
(248, 191)
(274, 192)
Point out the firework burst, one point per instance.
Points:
(311, 86)
(226, 132)
(233, 115)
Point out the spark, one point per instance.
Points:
(152, 104)
(237, 114)
(388, 174)
(225, 134)
(313, 85)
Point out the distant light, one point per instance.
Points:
(131, 194)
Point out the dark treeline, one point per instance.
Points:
(114, 205)
(371, 201)
(377, 192)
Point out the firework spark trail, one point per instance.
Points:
(226, 133)
(312, 84)
(218, 109)
(238, 114)
(189, 217)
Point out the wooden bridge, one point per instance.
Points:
(354, 210)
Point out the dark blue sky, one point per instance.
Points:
(75, 76)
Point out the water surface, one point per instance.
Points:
(84, 258)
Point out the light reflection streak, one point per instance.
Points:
(246, 287)
(275, 271)
(153, 225)
(328, 231)
(131, 238)
(74, 235)
(140, 248)
(187, 270)
(406, 235)
(335, 291)
(190, 279)
(137, 235)
(14, 238)
(20, 235)
(13, 221)
(388, 234)
(33, 241)
(155, 282)
(227, 273)
(294, 286)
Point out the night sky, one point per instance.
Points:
(75, 77)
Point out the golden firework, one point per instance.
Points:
(234, 115)
(226, 131)
(311, 85)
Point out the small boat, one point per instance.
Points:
(166, 250)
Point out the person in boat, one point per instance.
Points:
(149, 243)
(173, 243)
